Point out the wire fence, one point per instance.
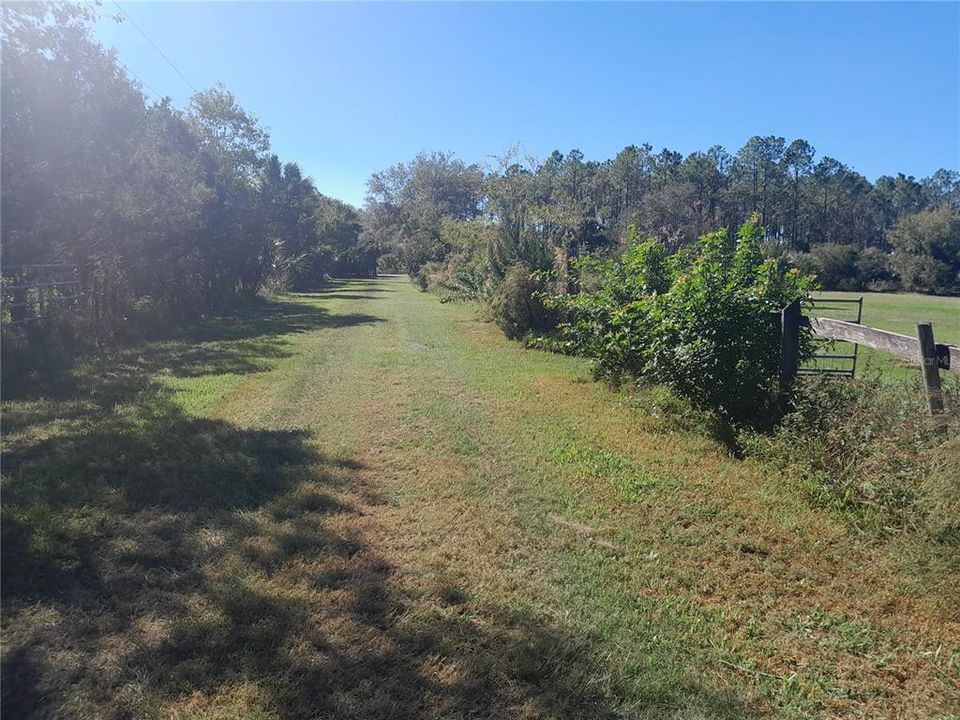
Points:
(31, 293)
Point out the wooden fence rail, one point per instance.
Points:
(921, 350)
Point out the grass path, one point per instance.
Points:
(362, 503)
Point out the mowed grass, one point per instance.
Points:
(361, 503)
(896, 312)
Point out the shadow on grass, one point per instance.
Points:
(366, 285)
(350, 296)
(347, 287)
(351, 290)
(250, 341)
(157, 564)
(273, 603)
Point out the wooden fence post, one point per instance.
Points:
(789, 346)
(929, 365)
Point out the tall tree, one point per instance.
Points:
(407, 203)
(758, 173)
(798, 163)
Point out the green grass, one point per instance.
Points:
(362, 503)
(896, 312)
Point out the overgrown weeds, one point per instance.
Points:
(871, 451)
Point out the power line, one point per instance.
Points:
(155, 46)
(143, 82)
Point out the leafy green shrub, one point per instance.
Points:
(926, 274)
(700, 321)
(421, 277)
(465, 283)
(35, 356)
(871, 450)
(845, 267)
(836, 266)
(874, 271)
(518, 305)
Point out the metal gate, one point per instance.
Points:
(31, 292)
(835, 360)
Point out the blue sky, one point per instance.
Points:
(348, 89)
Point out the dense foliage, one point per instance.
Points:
(169, 213)
(701, 321)
(821, 214)
(927, 251)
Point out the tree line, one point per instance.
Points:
(431, 215)
(170, 213)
